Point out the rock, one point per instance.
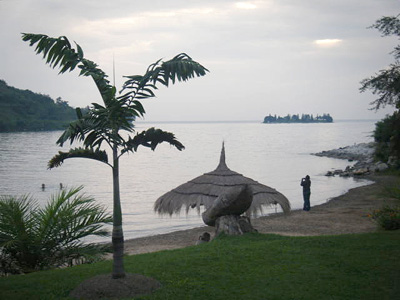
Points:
(204, 238)
(363, 154)
(235, 202)
(225, 213)
(393, 161)
(337, 172)
(360, 172)
(380, 166)
(233, 225)
(362, 151)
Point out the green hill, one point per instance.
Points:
(24, 110)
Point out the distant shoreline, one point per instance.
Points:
(138, 122)
(241, 121)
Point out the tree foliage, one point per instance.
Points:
(387, 137)
(104, 124)
(386, 84)
(35, 238)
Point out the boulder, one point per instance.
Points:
(380, 166)
(337, 172)
(233, 225)
(360, 172)
(204, 238)
(393, 161)
(234, 202)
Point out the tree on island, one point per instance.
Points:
(103, 124)
(305, 118)
(386, 84)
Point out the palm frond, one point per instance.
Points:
(70, 216)
(151, 138)
(90, 68)
(181, 68)
(15, 222)
(58, 52)
(76, 130)
(58, 159)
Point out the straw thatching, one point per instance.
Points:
(203, 190)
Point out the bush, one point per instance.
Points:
(34, 238)
(387, 137)
(387, 217)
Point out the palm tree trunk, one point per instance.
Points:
(117, 233)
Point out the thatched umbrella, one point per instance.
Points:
(203, 190)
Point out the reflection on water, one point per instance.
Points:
(277, 155)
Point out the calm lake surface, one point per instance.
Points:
(277, 155)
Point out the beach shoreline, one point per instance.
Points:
(345, 214)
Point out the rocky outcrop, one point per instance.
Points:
(362, 154)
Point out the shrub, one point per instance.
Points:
(387, 217)
(392, 191)
(387, 137)
(35, 238)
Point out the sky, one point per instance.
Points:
(264, 57)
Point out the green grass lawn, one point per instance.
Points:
(254, 266)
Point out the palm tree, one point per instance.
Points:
(35, 238)
(103, 124)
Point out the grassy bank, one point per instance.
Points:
(255, 266)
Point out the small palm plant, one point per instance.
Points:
(35, 238)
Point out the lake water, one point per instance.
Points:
(277, 155)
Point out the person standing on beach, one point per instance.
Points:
(306, 184)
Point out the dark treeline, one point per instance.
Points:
(304, 118)
(24, 110)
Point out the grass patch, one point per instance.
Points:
(254, 266)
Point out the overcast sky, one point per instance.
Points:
(265, 57)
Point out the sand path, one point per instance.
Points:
(342, 215)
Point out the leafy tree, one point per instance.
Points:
(386, 84)
(34, 238)
(103, 124)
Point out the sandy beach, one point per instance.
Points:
(345, 214)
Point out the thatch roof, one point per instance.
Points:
(203, 190)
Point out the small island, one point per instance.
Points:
(304, 118)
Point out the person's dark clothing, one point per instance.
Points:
(306, 184)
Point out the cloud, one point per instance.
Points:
(264, 56)
(328, 42)
(245, 5)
